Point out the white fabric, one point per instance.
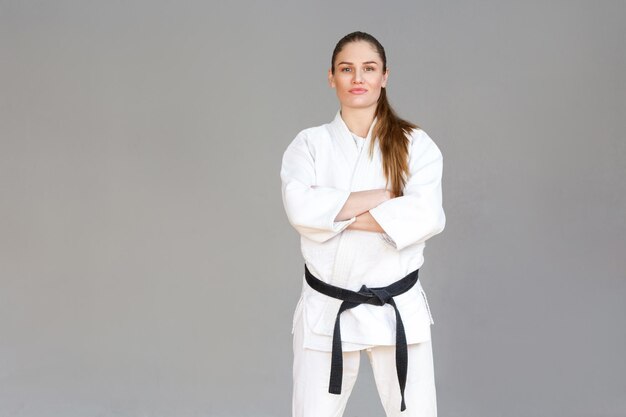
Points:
(320, 168)
(311, 368)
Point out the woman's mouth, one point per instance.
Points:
(358, 91)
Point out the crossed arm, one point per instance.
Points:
(319, 213)
(358, 204)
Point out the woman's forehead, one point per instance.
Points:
(358, 53)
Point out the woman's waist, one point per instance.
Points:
(371, 274)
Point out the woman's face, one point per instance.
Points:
(358, 76)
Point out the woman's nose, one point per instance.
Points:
(357, 77)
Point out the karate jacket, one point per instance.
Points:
(320, 168)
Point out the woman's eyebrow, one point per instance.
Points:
(350, 63)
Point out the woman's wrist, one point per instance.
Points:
(366, 222)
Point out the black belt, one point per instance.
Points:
(375, 296)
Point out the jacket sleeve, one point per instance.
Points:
(311, 209)
(418, 214)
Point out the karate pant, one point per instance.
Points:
(311, 374)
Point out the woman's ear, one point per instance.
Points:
(331, 82)
(385, 78)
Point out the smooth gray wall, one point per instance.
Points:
(146, 264)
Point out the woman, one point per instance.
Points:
(364, 193)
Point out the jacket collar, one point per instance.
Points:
(340, 125)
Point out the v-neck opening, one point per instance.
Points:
(345, 126)
(346, 141)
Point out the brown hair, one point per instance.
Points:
(390, 130)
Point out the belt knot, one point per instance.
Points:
(381, 294)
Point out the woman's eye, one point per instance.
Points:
(346, 69)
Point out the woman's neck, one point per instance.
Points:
(358, 121)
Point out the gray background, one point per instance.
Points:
(146, 264)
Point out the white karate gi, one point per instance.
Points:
(320, 168)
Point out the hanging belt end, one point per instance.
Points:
(334, 389)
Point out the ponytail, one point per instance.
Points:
(392, 133)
